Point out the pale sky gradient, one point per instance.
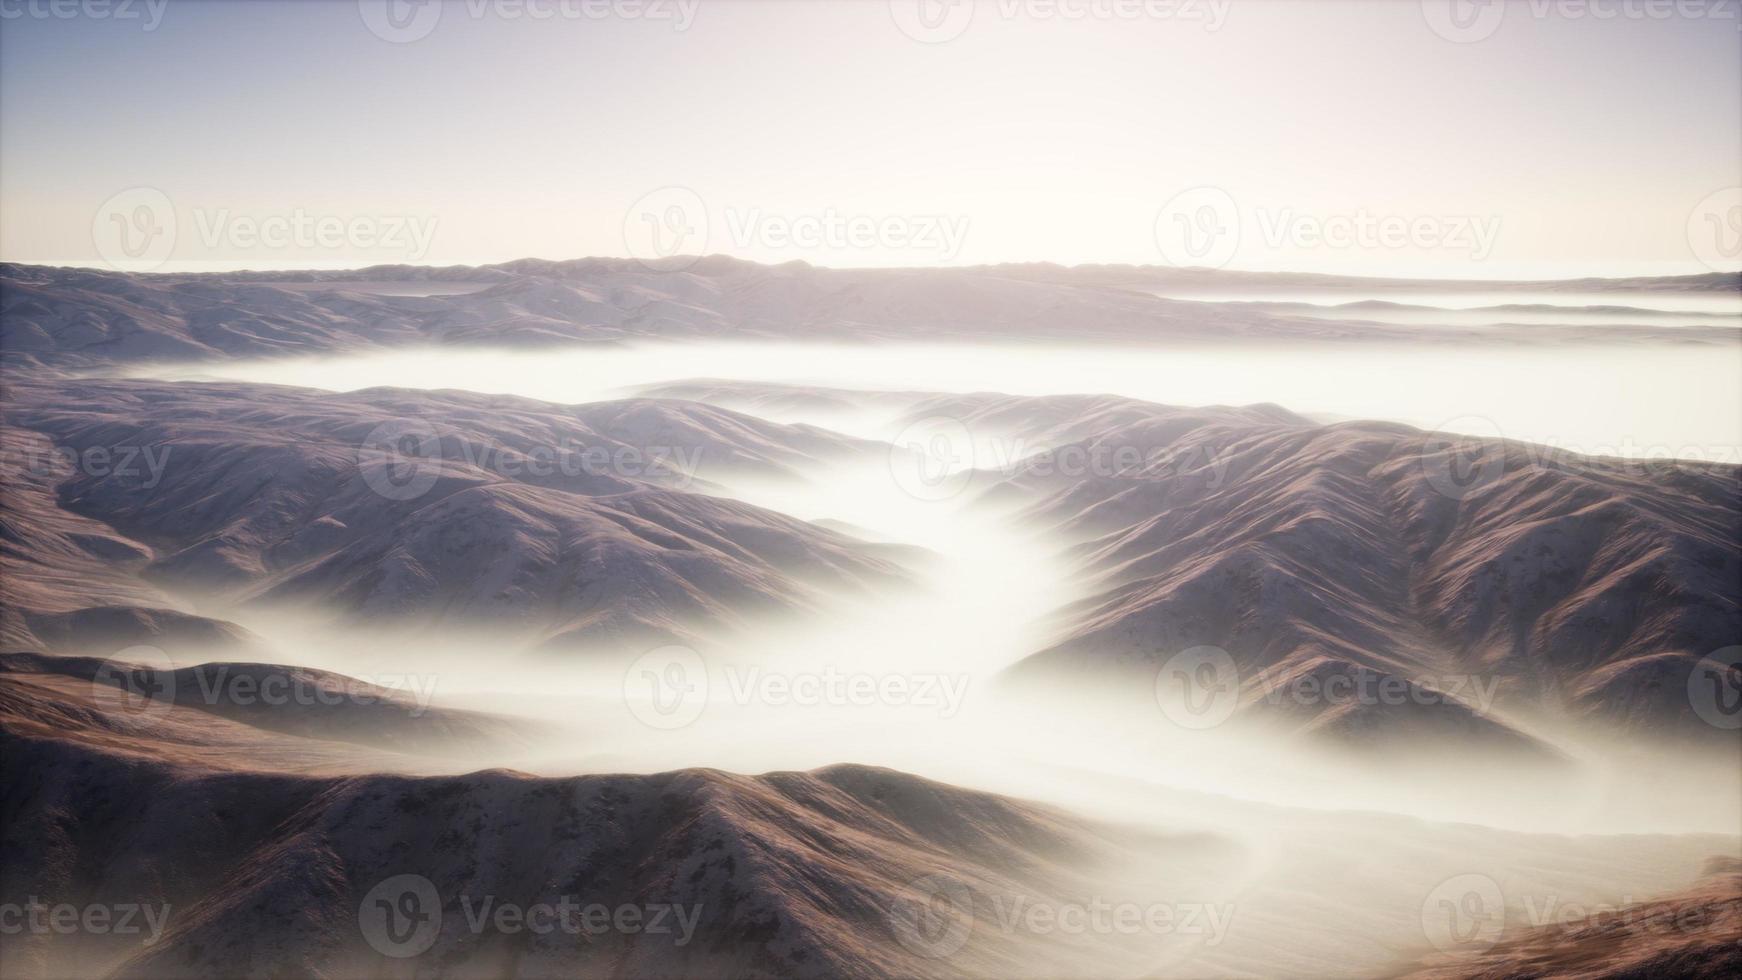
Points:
(1587, 144)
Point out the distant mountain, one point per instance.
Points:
(1205, 278)
(58, 317)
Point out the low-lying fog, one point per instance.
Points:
(1653, 303)
(989, 583)
(1337, 856)
(1656, 400)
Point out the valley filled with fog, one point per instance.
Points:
(986, 580)
(1390, 567)
(918, 489)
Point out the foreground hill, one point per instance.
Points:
(239, 844)
(264, 852)
(1694, 934)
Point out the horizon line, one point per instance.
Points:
(687, 262)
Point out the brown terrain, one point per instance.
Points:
(71, 318)
(1587, 598)
(1695, 934)
(290, 498)
(264, 845)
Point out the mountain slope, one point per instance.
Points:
(1694, 934)
(81, 317)
(268, 867)
(1371, 547)
(552, 524)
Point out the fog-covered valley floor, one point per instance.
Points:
(1343, 660)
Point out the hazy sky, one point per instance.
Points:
(1379, 137)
